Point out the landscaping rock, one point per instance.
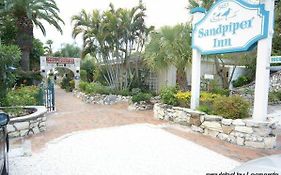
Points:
(270, 142)
(263, 131)
(240, 141)
(227, 129)
(215, 126)
(212, 118)
(222, 136)
(238, 122)
(226, 122)
(244, 129)
(21, 125)
(195, 119)
(197, 129)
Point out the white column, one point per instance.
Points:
(196, 68)
(262, 72)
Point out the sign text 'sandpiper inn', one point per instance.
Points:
(230, 26)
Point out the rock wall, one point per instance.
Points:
(247, 91)
(241, 132)
(275, 81)
(28, 125)
(101, 99)
(141, 106)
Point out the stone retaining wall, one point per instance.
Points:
(100, 98)
(29, 124)
(241, 132)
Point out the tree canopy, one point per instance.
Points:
(171, 45)
(111, 37)
(25, 14)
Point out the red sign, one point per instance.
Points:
(56, 60)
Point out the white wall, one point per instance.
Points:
(167, 77)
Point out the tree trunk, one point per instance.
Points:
(25, 62)
(181, 79)
(24, 40)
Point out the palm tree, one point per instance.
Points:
(200, 3)
(48, 48)
(30, 13)
(171, 45)
(111, 37)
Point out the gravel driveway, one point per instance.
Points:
(138, 149)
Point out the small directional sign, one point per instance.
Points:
(275, 59)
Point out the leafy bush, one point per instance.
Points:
(183, 98)
(168, 96)
(274, 96)
(205, 108)
(242, 80)
(82, 86)
(233, 107)
(220, 91)
(208, 98)
(141, 97)
(23, 96)
(83, 75)
(97, 88)
(124, 92)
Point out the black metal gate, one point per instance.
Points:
(47, 93)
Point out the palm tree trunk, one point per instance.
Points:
(181, 79)
(25, 62)
(24, 40)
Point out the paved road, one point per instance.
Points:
(73, 115)
(138, 149)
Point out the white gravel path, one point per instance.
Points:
(140, 149)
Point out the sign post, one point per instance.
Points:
(262, 73)
(198, 14)
(235, 26)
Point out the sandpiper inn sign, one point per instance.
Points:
(234, 26)
(230, 26)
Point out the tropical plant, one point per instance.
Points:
(48, 49)
(27, 14)
(68, 50)
(9, 57)
(168, 96)
(36, 52)
(171, 45)
(200, 3)
(112, 37)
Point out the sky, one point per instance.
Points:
(159, 13)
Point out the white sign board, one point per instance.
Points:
(230, 26)
(208, 76)
(275, 59)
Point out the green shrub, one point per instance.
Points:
(207, 98)
(83, 75)
(241, 81)
(205, 108)
(23, 96)
(233, 107)
(220, 91)
(168, 96)
(97, 88)
(274, 96)
(123, 92)
(82, 86)
(141, 97)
